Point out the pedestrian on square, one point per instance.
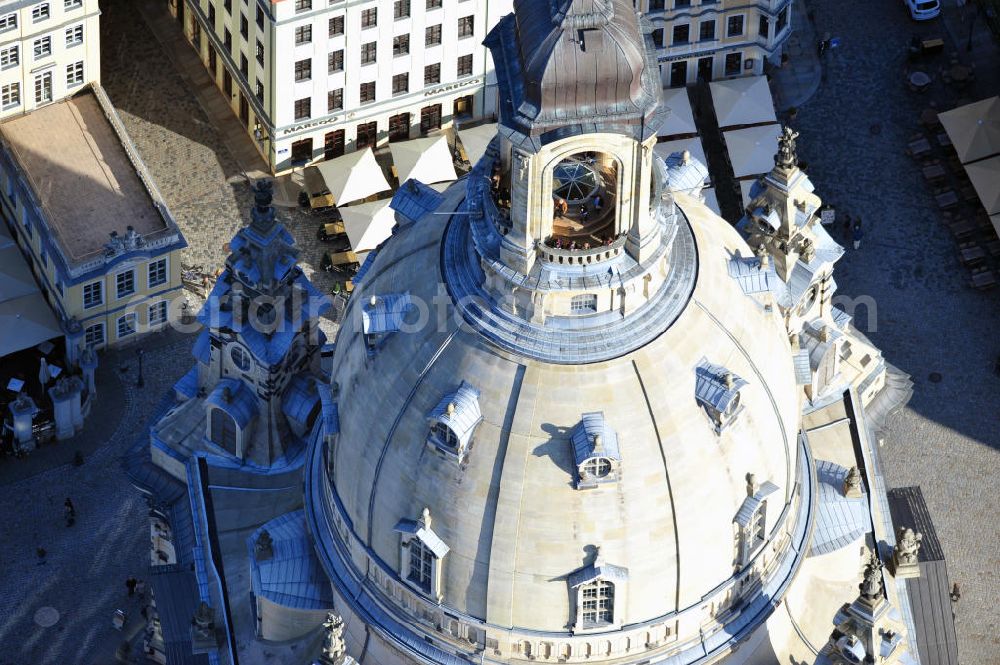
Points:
(69, 512)
(130, 585)
(859, 233)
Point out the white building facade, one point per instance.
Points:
(48, 51)
(714, 39)
(312, 79)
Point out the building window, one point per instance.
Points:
(303, 5)
(656, 5)
(583, 304)
(244, 27)
(43, 88)
(93, 294)
(74, 74)
(366, 94)
(303, 70)
(335, 61)
(400, 45)
(42, 47)
(303, 34)
(733, 63)
(718, 391)
(126, 325)
(211, 16)
(40, 12)
(681, 4)
(658, 38)
(158, 314)
(433, 4)
(227, 39)
(399, 127)
(333, 144)
(260, 91)
(72, 4)
(260, 53)
(10, 95)
(259, 18)
(706, 31)
(751, 519)
(430, 118)
(8, 21)
(682, 34)
(125, 283)
(223, 430)
(466, 26)
(336, 27)
(335, 100)
(369, 18)
(10, 57)
(401, 9)
(782, 20)
(367, 135)
(94, 335)
(598, 604)
(734, 26)
(465, 65)
(420, 565)
(764, 26)
(432, 35)
(157, 273)
(369, 53)
(302, 108)
(74, 35)
(400, 84)
(228, 6)
(421, 554)
(302, 151)
(432, 74)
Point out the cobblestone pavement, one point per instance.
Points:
(208, 195)
(83, 572)
(927, 320)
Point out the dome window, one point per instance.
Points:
(382, 316)
(751, 520)
(599, 590)
(422, 553)
(596, 451)
(718, 391)
(454, 420)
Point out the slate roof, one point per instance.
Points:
(175, 589)
(592, 424)
(685, 175)
(599, 570)
(427, 536)
(930, 594)
(710, 385)
(467, 412)
(840, 520)
(386, 314)
(293, 576)
(413, 200)
(300, 397)
(750, 503)
(366, 265)
(242, 403)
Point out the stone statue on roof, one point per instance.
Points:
(871, 585)
(907, 546)
(786, 156)
(334, 649)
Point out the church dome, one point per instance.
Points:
(529, 478)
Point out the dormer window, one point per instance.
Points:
(422, 554)
(718, 391)
(596, 451)
(454, 420)
(599, 590)
(751, 520)
(381, 316)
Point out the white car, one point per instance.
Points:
(923, 10)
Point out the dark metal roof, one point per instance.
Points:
(930, 594)
(176, 592)
(565, 64)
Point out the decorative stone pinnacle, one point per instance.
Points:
(752, 485)
(425, 518)
(598, 444)
(451, 409)
(262, 214)
(786, 157)
(871, 586)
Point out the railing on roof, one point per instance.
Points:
(581, 255)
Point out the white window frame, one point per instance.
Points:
(10, 95)
(118, 283)
(600, 603)
(154, 265)
(72, 4)
(74, 35)
(88, 337)
(10, 57)
(743, 25)
(129, 331)
(100, 291)
(8, 22)
(74, 74)
(42, 47)
(158, 306)
(40, 12)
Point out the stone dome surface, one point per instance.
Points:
(511, 515)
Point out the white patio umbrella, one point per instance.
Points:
(974, 129)
(692, 145)
(428, 160)
(353, 176)
(752, 149)
(476, 140)
(743, 101)
(681, 120)
(368, 224)
(985, 177)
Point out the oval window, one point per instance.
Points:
(240, 358)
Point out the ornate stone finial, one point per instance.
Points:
(905, 557)
(786, 157)
(373, 301)
(425, 518)
(598, 445)
(729, 380)
(686, 157)
(118, 245)
(871, 585)
(852, 483)
(203, 622)
(334, 649)
(451, 409)
(264, 547)
(752, 485)
(262, 214)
